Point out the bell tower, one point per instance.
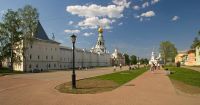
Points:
(100, 45)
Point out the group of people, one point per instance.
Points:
(154, 66)
(130, 67)
(115, 67)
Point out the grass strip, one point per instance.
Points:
(184, 75)
(102, 83)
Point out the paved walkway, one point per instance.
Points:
(38, 89)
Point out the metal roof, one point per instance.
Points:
(40, 34)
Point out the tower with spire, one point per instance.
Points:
(100, 45)
(155, 59)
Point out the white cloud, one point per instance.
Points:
(145, 16)
(70, 22)
(97, 15)
(120, 24)
(154, 1)
(175, 18)
(148, 14)
(136, 7)
(61, 41)
(94, 22)
(146, 4)
(93, 10)
(137, 16)
(88, 34)
(123, 3)
(72, 31)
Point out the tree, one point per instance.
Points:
(144, 61)
(168, 51)
(10, 36)
(29, 17)
(127, 60)
(195, 43)
(199, 32)
(17, 32)
(133, 59)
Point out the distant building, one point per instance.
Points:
(190, 58)
(198, 55)
(45, 54)
(118, 58)
(181, 57)
(155, 59)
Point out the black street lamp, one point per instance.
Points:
(73, 38)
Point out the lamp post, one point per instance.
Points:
(73, 38)
(138, 62)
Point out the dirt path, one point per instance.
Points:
(147, 89)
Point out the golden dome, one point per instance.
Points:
(100, 30)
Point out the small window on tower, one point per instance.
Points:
(30, 56)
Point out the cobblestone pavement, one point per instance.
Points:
(193, 68)
(38, 89)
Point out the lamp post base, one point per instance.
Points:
(73, 81)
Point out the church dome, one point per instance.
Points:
(100, 30)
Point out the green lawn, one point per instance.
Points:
(186, 76)
(122, 77)
(101, 83)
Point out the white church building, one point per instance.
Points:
(154, 59)
(47, 54)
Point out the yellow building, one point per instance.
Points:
(181, 57)
(190, 58)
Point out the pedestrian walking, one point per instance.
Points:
(152, 67)
(120, 66)
(129, 67)
(114, 68)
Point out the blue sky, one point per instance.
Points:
(132, 26)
